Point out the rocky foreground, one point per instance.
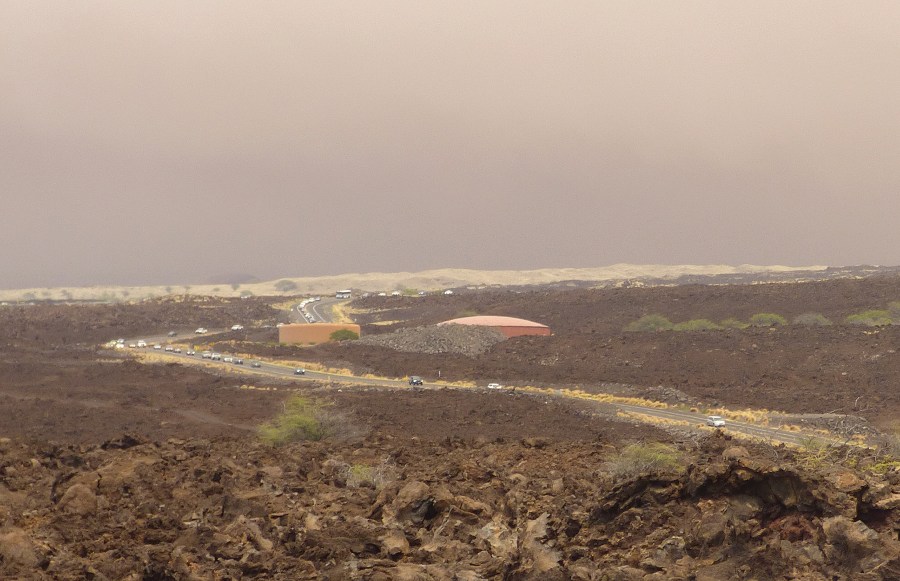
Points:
(387, 508)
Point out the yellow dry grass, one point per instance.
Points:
(652, 419)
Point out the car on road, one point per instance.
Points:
(169, 348)
(141, 343)
(238, 361)
(190, 352)
(200, 330)
(299, 371)
(216, 356)
(172, 333)
(132, 345)
(177, 350)
(228, 359)
(415, 380)
(494, 386)
(237, 327)
(256, 364)
(715, 421)
(157, 346)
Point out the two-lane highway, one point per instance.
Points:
(690, 419)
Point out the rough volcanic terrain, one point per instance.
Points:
(113, 469)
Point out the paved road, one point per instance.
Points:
(692, 419)
(320, 311)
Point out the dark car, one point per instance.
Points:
(256, 364)
(238, 361)
(415, 380)
(299, 371)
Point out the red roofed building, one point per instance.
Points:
(509, 326)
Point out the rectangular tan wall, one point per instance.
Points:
(520, 331)
(304, 334)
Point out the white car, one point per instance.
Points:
(200, 330)
(141, 343)
(715, 421)
(169, 348)
(494, 386)
(237, 327)
(157, 346)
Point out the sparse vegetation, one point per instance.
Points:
(767, 320)
(732, 323)
(285, 285)
(696, 325)
(364, 475)
(649, 323)
(307, 419)
(812, 320)
(870, 318)
(644, 458)
(344, 335)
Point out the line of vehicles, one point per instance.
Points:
(301, 308)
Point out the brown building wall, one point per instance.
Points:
(305, 334)
(519, 331)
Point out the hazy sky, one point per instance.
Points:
(170, 142)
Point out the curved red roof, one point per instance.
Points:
(492, 321)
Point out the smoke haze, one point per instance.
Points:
(171, 142)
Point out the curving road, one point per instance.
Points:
(691, 419)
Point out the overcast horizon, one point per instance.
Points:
(175, 142)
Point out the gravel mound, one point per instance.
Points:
(463, 339)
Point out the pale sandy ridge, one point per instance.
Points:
(427, 280)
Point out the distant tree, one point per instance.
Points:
(649, 323)
(696, 325)
(187, 288)
(811, 320)
(767, 320)
(732, 323)
(235, 286)
(285, 285)
(246, 293)
(168, 290)
(344, 335)
(126, 293)
(871, 318)
(29, 296)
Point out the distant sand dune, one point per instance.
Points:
(428, 280)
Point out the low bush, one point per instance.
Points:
(696, 325)
(732, 323)
(767, 320)
(645, 458)
(811, 320)
(871, 318)
(307, 419)
(649, 323)
(285, 285)
(344, 335)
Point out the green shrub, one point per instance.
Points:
(298, 421)
(732, 323)
(344, 335)
(696, 325)
(649, 323)
(645, 458)
(811, 320)
(307, 419)
(767, 320)
(871, 318)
